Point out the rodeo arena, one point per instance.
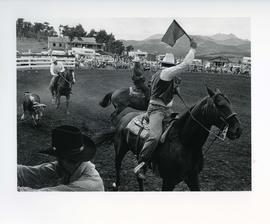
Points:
(83, 120)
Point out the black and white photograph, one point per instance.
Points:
(130, 112)
(133, 104)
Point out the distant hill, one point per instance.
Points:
(215, 45)
(155, 36)
(222, 36)
(218, 44)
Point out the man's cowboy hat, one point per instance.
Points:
(54, 59)
(69, 143)
(168, 60)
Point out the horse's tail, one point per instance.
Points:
(106, 101)
(104, 136)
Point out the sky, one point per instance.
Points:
(141, 28)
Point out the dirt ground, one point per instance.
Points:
(227, 165)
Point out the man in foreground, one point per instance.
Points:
(72, 171)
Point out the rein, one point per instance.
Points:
(223, 134)
(70, 83)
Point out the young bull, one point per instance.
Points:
(32, 106)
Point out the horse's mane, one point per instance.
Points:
(179, 123)
(183, 118)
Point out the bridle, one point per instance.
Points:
(222, 133)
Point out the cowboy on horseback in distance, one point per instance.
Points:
(163, 88)
(139, 79)
(56, 68)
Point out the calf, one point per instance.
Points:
(32, 106)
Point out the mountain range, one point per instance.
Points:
(228, 45)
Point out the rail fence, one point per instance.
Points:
(33, 61)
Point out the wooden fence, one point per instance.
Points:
(33, 61)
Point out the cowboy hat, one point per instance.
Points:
(54, 59)
(69, 143)
(168, 60)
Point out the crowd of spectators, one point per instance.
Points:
(234, 69)
(126, 63)
(118, 63)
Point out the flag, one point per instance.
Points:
(174, 32)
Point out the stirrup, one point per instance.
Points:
(138, 167)
(141, 176)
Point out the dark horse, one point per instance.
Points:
(180, 157)
(121, 99)
(63, 87)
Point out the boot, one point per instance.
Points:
(138, 170)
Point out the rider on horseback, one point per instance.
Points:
(56, 68)
(163, 87)
(138, 78)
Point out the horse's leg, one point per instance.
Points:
(120, 151)
(57, 101)
(167, 185)
(193, 182)
(67, 104)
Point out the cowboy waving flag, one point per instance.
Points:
(174, 32)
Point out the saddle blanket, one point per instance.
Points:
(135, 92)
(140, 126)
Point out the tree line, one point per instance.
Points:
(41, 31)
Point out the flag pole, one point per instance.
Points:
(182, 29)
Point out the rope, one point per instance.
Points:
(65, 79)
(191, 115)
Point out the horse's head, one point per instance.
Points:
(224, 115)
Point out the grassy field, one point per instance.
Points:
(25, 44)
(227, 165)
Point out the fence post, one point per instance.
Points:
(29, 62)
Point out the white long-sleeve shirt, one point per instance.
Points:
(168, 74)
(55, 69)
(53, 177)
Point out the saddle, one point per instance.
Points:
(133, 91)
(140, 126)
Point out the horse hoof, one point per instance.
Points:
(115, 188)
